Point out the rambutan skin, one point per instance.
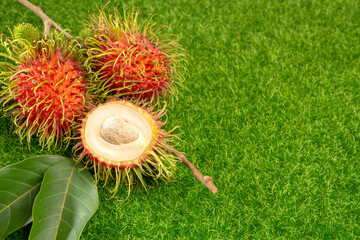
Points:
(129, 58)
(138, 66)
(50, 91)
(45, 92)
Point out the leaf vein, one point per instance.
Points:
(10, 180)
(51, 196)
(80, 201)
(66, 192)
(7, 206)
(90, 195)
(75, 213)
(23, 170)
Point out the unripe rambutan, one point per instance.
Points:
(45, 90)
(26, 31)
(125, 141)
(129, 58)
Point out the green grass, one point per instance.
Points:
(270, 109)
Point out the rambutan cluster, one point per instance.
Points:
(119, 64)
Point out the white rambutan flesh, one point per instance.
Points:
(118, 134)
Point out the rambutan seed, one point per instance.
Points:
(118, 131)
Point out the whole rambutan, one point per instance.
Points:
(124, 141)
(44, 89)
(129, 58)
(27, 32)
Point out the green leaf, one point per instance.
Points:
(19, 184)
(66, 201)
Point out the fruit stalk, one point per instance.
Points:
(206, 180)
(48, 22)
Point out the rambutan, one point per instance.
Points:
(124, 141)
(27, 32)
(128, 58)
(45, 89)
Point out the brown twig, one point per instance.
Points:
(48, 22)
(206, 180)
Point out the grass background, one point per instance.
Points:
(270, 110)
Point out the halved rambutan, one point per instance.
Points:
(124, 141)
(129, 58)
(45, 89)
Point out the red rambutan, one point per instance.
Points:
(45, 91)
(128, 58)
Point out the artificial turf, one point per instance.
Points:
(270, 109)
